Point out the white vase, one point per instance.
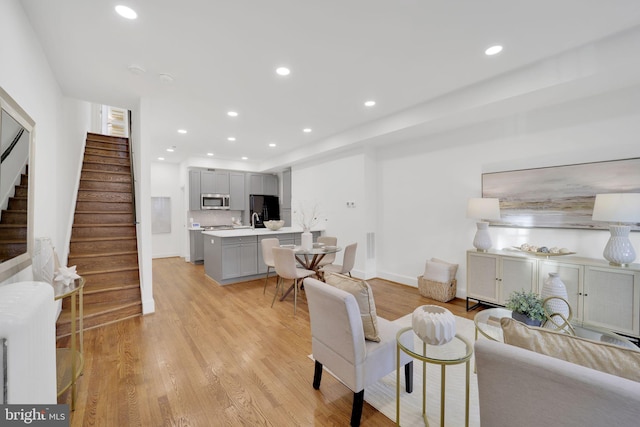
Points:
(554, 286)
(43, 260)
(434, 325)
(306, 240)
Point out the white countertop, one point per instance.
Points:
(254, 232)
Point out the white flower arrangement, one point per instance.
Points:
(307, 215)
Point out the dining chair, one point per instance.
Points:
(285, 266)
(267, 256)
(338, 343)
(348, 261)
(328, 241)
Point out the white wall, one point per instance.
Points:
(76, 124)
(165, 183)
(433, 186)
(330, 184)
(418, 191)
(25, 74)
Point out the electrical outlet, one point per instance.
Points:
(351, 204)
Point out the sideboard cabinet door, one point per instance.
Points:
(572, 275)
(611, 299)
(516, 274)
(482, 277)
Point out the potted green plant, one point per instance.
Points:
(526, 307)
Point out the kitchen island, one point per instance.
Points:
(232, 256)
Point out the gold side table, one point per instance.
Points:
(70, 361)
(457, 351)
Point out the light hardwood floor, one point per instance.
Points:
(216, 355)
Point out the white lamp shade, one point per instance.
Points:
(617, 207)
(483, 208)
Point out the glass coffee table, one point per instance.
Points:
(488, 325)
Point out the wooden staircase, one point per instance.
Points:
(103, 243)
(13, 222)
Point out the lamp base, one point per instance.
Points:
(482, 239)
(619, 250)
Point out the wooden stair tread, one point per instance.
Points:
(104, 225)
(101, 239)
(103, 254)
(109, 287)
(105, 172)
(104, 191)
(94, 212)
(12, 225)
(97, 309)
(109, 270)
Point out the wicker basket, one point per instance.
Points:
(438, 291)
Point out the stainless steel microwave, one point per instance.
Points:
(214, 201)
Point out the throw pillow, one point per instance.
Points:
(364, 296)
(440, 271)
(601, 356)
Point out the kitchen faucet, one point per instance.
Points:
(254, 218)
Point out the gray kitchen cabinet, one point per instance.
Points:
(285, 239)
(230, 257)
(194, 190)
(214, 182)
(285, 200)
(286, 189)
(266, 184)
(236, 191)
(196, 246)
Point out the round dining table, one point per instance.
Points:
(310, 259)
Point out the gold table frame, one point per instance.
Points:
(70, 361)
(466, 358)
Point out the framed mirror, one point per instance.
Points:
(16, 187)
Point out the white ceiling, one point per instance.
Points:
(223, 54)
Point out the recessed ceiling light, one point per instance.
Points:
(273, 144)
(493, 50)
(182, 131)
(283, 71)
(165, 78)
(171, 149)
(136, 69)
(209, 154)
(306, 130)
(160, 158)
(232, 114)
(370, 103)
(245, 158)
(126, 12)
(231, 138)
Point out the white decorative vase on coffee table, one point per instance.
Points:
(434, 325)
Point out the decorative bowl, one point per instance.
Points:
(274, 225)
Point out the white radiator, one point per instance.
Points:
(27, 323)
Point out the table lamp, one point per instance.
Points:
(621, 208)
(483, 209)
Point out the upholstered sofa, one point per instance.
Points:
(521, 387)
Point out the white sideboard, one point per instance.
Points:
(600, 294)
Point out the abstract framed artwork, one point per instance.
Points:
(559, 196)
